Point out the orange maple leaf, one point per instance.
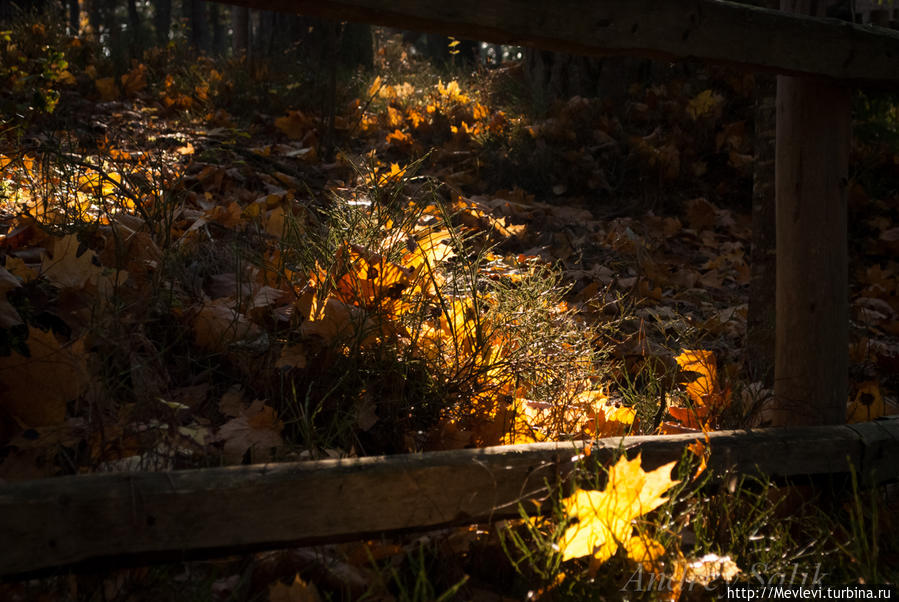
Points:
(704, 390)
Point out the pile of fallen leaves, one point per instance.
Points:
(179, 289)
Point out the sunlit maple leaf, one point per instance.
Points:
(601, 417)
(452, 92)
(368, 280)
(396, 173)
(705, 389)
(415, 118)
(333, 319)
(399, 139)
(430, 249)
(605, 518)
(608, 419)
(644, 550)
(869, 404)
(695, 418)
(701, 450)
(394, 117)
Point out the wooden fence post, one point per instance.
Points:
(812, 339)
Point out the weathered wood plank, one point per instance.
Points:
(66, 520)
(712, 30)
(811, 381)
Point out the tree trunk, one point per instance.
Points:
(94, 18)
(218, 29)
(811, 373)
(74, 13)
(195, 11)
(162, 20)
(356, 48)
(240, 26)
(760, 322)
(117, 47)
(265, 30)
(135, 31)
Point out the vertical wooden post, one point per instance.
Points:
(812, 158)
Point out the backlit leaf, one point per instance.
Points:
(604, 518)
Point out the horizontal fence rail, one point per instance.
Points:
(76, 519)
(711, 30)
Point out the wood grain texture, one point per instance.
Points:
(711, 30)
(811, 380)
(68, 520)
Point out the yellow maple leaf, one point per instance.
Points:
(868, 403)
(399, 138)
(394, 117)
(703, 103)
(452, 92)
(604, 518)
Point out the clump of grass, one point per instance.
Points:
(450, 343)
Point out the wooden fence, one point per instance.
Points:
(822, 57)
(70, 520)
(145, 517)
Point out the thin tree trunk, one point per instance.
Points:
(266, 30)
(135, 33)
(195, 11)
(162, 20)
(114, 42)
(94, 17)
(74, 13)
(240, 26)
(811, 366)
(356, 48)
(218, 29)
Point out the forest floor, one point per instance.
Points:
(206, 263)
